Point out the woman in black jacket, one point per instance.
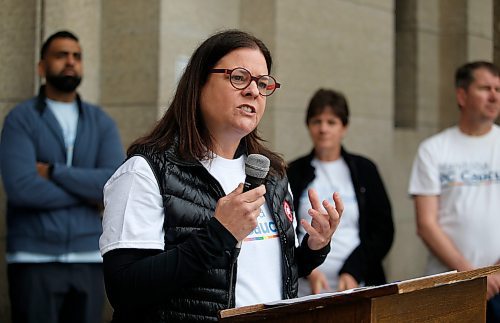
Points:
(181, 239)
(366, 231)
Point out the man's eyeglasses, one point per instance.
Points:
(241, 78)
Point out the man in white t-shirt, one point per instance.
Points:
(455, 182)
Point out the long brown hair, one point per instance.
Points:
(183, 118)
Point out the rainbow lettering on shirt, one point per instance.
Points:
(265, 230)
(274, 236)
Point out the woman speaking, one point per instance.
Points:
(181, 238)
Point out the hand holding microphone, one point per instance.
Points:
(238, 211)
(256, 169)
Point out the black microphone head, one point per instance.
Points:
(257, 165)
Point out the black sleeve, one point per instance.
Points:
(139, 279)
(308, 259)
(376, 233)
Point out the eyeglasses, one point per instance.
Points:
(241, 78)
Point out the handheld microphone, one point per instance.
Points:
(256, 169)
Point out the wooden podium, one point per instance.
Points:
(447, 297)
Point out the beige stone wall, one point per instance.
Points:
(393, 60)
(183, 26)
(83, 17)
(17, 77)
(346, 45)
(130, 64)
(496, 31)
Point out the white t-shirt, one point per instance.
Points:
(133, 218)
(133, 209)
(465, 172)
(333, 177)
(67, 116)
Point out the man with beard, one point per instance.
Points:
(56, 154)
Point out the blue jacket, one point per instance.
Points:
(59, 215)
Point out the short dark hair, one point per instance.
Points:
(328, 99)
(59, 34)
(183, 119)
(464, 75)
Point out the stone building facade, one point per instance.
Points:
(393, 59)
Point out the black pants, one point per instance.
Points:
(493, 310)
(56, 292)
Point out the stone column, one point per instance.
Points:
(453, 53)
(18, 54)
(83, 18)
(480, 26)
(183, 26)
(496, 32)
(265, 29)
(466, 35)
(416, 114)
(129, 64)
(496, 36)
(406, 64)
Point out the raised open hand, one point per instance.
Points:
(322, 225)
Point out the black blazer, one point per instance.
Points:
(376, 228)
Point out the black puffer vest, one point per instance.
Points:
(190, 195)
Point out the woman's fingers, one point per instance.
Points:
(323, 224)
(339, 204)
(314, 199)
(238, 211)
